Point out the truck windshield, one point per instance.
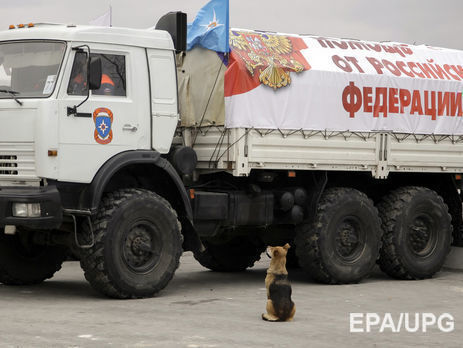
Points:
(29, 68)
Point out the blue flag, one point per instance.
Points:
(210, 27)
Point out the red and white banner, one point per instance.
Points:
(276, 81)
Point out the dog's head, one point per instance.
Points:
(278, 251)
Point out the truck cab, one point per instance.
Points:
(84, 111)
(42, 75)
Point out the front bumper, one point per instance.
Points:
(50, 205)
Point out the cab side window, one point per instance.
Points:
(113, 79)
(78, 81)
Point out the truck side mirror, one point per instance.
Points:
(175, 24)
(94, 73)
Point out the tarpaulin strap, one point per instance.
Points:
(208, 100)
(235, 142)
(217, 147)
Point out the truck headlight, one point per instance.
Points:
(26, 209)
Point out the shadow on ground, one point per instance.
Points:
(68, 287)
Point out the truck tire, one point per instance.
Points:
(137, 247)
(417, 233)
(342, 243)
(234, 256)
(27, 263)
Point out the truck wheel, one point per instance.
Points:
(25, 263)
(137, 245)
(234, 256)
(417, 233)
(342, 244)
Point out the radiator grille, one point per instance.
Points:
(17, 161)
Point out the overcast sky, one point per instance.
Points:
(433, 22)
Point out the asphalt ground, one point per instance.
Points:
(200, 308)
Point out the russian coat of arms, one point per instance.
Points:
(270, 57)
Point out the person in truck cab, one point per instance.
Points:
(107, 85)
(78, 85)
(78, 80)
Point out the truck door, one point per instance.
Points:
(164, 108)
(115, 118)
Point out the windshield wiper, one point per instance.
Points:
(13, 94)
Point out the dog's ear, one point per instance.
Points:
(275, 252)
(287, 246)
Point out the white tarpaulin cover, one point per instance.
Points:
(279, 81)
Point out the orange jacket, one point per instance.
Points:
(105, 79)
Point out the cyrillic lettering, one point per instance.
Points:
(376, 64)
(352, 99)
(416, 103)
(357, 45)
(458, 69)
(438, 70)
(401, 65)
(380, 103)
(393, 49)
(354, 61)
(412, 67)
(342, 64)
(324, 42)
(430, 110)
(405, 49)
(341, 44)
(443, 103)
(455, 104)
(367, 99)
(375, 47)
(405, 99)
(427, 70)
(393, 100)
(447, 68)
(391, 67)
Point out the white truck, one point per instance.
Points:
(121, 146)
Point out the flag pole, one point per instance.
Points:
(110, 15)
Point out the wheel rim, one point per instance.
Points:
(422, 235)
(140, 250)
(349, 239)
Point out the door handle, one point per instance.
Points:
(129, 127)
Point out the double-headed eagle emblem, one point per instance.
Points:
(271, 57)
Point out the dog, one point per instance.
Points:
(279, 307)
